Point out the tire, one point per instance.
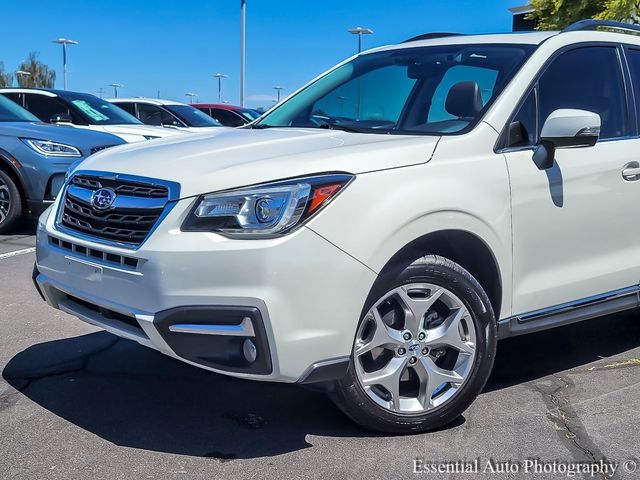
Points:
(11, 204)
(466, 359)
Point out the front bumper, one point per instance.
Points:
(302, 295)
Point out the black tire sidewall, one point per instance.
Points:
(355, 402)
(16, 211)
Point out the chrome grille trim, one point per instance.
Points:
(95, 254)
(140, 206)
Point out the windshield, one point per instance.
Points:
(192, 116)
(12, 112)
(99, 112)
(421, 90)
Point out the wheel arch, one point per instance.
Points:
(11, 166)
(462, 247)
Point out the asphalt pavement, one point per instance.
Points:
(79, 403)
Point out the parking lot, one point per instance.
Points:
(76, 402)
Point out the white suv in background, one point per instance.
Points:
(168, 114)
(377, 232)
(83, 110)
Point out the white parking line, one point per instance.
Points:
(17, 252)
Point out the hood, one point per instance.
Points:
(136, 133)
(208, 129)
(82, 139)
(238, 157)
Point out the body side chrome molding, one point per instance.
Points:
(570, 312)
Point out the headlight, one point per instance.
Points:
(52, 149)
(264, 210)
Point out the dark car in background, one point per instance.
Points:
(228, 115)
(34, 158)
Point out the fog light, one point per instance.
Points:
(249, 351)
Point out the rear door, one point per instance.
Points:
(575, 228)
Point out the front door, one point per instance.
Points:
(575, 228)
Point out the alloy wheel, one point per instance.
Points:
(415, 348)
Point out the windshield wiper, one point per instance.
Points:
(261, 126)
(345, 128)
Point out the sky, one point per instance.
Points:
(176, 46)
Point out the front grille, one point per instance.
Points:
(135, 211)
(134, 189)
(101, 147)
(106, 315)
(95, 254)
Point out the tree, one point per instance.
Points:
(621, 10)
(557, 14)
(6, 79)
(41, 76)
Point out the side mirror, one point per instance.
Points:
(566, 128)
(173, 123)
(61, 118)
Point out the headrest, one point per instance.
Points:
(464, 100)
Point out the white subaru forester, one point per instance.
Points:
(376, 233)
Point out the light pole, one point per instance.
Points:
(115, 86)
(278, 89)
(20, 73)
(64, 42)
(101, 92)
(360, 31)
(191, 96)
(220, 76)
(243, 16)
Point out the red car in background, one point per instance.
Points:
(228, 115)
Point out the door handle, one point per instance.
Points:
(631, 173)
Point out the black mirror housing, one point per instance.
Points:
(61, 118)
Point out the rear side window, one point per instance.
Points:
(588, 78)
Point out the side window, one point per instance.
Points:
(127, 107)
(587, 78)
(45, 107)
(153, 115)
(226, 117)
(523, 129)
(484, 77)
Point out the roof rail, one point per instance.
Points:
(429, 36)
(595, 24)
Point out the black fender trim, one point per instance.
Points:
(325, 371)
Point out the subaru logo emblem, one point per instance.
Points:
(103, 198)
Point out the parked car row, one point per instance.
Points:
(44, 131)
